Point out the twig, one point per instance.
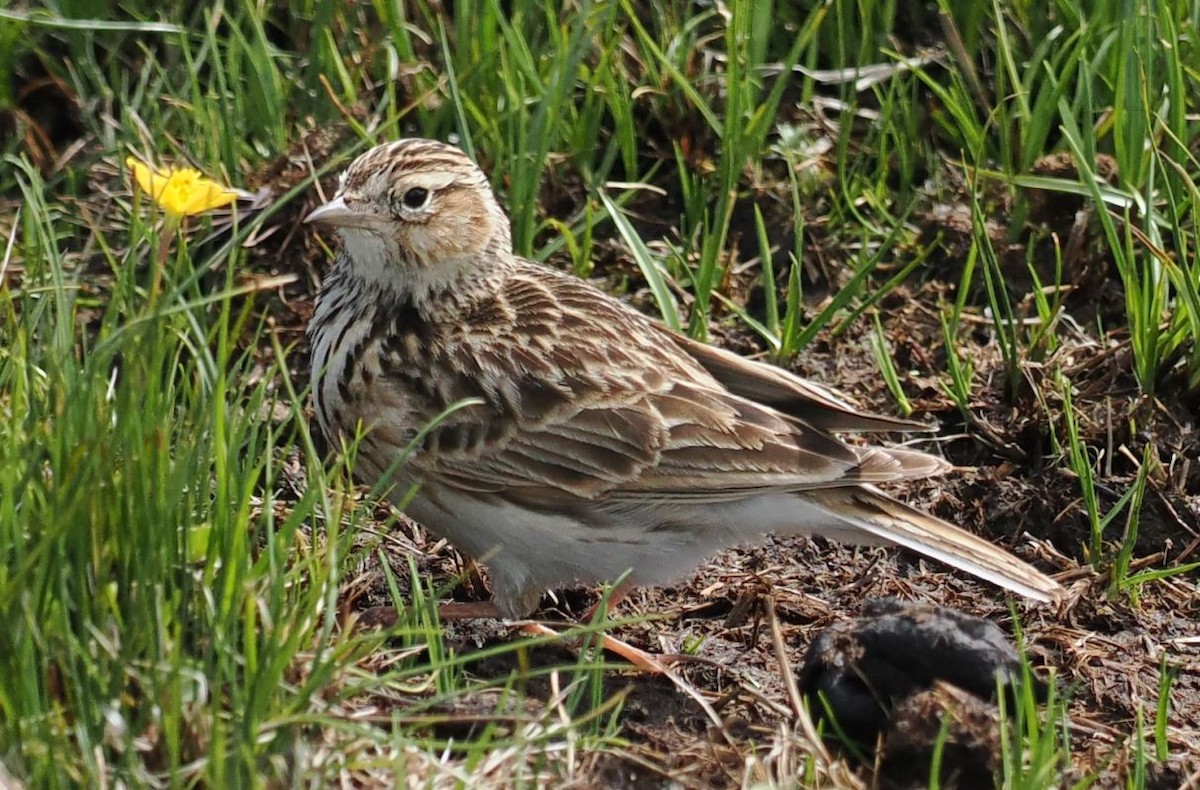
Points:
(789, 681)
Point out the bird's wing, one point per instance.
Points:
(582, 397)
(813, 404)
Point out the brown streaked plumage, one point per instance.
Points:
(595, 441)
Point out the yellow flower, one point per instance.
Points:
(180, 191)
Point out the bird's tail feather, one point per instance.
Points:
(867, 509)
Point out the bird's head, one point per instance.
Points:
(417, 213)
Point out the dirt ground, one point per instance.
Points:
(1103, 651)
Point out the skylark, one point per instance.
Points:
(597, 442)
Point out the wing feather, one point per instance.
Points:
(812, 404)
(611, 407)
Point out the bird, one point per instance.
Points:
(559, 436)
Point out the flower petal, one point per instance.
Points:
(180, 191)
(206, 195)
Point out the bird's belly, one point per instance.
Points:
(527, 551)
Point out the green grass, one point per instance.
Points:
(1041, 728)
(173, 546)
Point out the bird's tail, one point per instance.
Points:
(866, 509)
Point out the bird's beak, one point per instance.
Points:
(335, 213)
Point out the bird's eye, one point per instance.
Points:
(415, 197)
